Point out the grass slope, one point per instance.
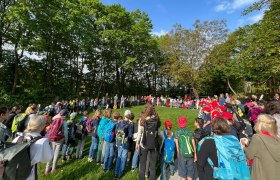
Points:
(82, 169)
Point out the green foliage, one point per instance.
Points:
(186, 50)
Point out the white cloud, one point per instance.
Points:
(232, 5)
(160, 33)
(256, 17)
(236, 4)
(251, 19)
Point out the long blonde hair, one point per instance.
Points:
(266, 123)
(36, 123)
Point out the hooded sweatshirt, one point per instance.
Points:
(101, 126)
(265, 151)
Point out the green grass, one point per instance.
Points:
(82, 169)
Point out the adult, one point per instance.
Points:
(147, 141)
(122, 102)
(222, 100)
(9, 121)
(115, 99)
(40, 151)
(4, 114)
(264, 149)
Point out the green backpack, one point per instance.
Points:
(185, 143)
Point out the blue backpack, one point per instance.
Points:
(109, 131)
(231, 159)
(169, 148)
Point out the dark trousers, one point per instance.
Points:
(153, 160)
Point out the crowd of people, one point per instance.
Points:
(234, 138)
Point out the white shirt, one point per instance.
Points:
(40, 151)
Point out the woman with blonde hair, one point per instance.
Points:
(264, 149)
(40, 150)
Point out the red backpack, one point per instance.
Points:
(55, 132)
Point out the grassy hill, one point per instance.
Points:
(82, 169)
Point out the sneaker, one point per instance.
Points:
(146, 176)
(47, 172)
(116, 177)
(132, 169)
(89, 159)
(54, 170)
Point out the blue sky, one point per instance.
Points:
(165, 13)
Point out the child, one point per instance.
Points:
(131, 139)
(81, 134)
(200, 132)
(110, 142)
(100, 132)
(123, 139)
(92, 125)
(69, 146)
(186, 150)
(168, 150)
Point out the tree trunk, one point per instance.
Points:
(16, 70)
(231, 87)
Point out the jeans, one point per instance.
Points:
(152, 159)
(100, 151)
(135, 159)
(164, 167)
(93, 147)
(80, 148)
(56, 147)
(121, 160)
(109, 155)
(67, 150)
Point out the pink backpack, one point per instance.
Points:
(55, 132)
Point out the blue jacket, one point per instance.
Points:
(102, 123)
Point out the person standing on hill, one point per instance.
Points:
(147, 141)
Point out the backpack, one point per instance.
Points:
(55, 132)
(135, 130)
(231, 159)
(185, 143)
(150, 140)
(79, 132)
(15, 162)
(91, 126)
(169, 148)
(122, 134)
(19, 122)
(109, 131)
